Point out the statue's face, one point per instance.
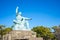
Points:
(19, 13)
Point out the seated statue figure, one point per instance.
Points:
(21, 23)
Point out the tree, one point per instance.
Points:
(54, 28)
(43, 32)
(56, 31)
(7, 30)
(1, 31)
(4, 30)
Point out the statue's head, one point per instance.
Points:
(20, 13)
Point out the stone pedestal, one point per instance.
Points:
(21, 35)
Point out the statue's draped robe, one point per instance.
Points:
(21, 23)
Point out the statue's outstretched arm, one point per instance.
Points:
(27, 18)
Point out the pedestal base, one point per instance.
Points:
(21, 35)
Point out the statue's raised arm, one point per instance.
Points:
(17, 10)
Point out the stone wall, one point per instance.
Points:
(15, 35)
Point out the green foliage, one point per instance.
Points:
(56, 31)
(1, 31)
(4, 30)
(43, 32)
(54, 28)
(7, 30)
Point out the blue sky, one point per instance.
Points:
(42, 12)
